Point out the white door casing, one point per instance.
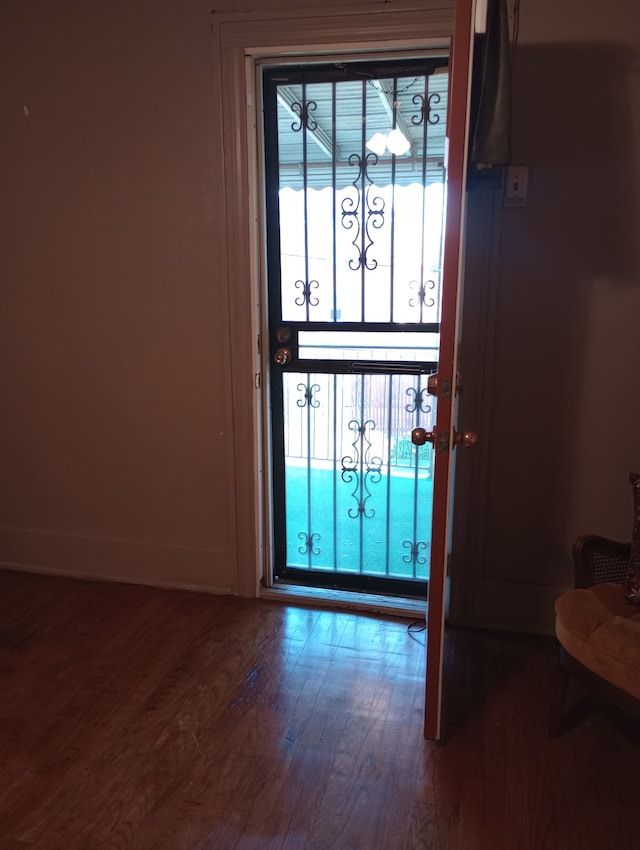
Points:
(241, 40)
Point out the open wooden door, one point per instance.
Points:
(444, 436)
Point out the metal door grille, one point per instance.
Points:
(354, 239)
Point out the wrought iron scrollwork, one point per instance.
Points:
(307, 399)
(414, 556)
(366, 217)
(306, 120)
(361, 469)
(306, 297)
(425, 109)
(422, 299)
(308, 543)
(433, 117)
(418, 404)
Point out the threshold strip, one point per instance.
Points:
(398, 606)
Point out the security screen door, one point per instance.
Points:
(355, 209)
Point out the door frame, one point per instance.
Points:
(241, 40)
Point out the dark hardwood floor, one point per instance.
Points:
(133, 717)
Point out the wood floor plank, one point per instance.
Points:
(135, 718)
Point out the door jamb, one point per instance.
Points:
(240, 40)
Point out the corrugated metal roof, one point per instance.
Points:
(343, 115)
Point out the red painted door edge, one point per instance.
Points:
(458, 121)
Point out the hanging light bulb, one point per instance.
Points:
(377, 143)
(397, 142)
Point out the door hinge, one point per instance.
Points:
(258, 380)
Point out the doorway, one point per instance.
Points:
(354, 176)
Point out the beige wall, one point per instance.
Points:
(565, 427)
(114, 329)
(116, 405)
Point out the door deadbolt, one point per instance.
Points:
(283, 334)
(283, 356)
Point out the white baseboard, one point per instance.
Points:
(503, 605)
(117, 560)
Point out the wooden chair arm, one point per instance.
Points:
(598, 560)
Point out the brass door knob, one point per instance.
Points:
(419, 436)
(283, 356)
(467, 439)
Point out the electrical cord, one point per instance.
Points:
(415, 628)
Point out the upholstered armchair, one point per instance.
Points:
(598, 630)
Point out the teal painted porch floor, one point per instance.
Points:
(378, 542)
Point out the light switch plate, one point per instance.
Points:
(516, 186)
